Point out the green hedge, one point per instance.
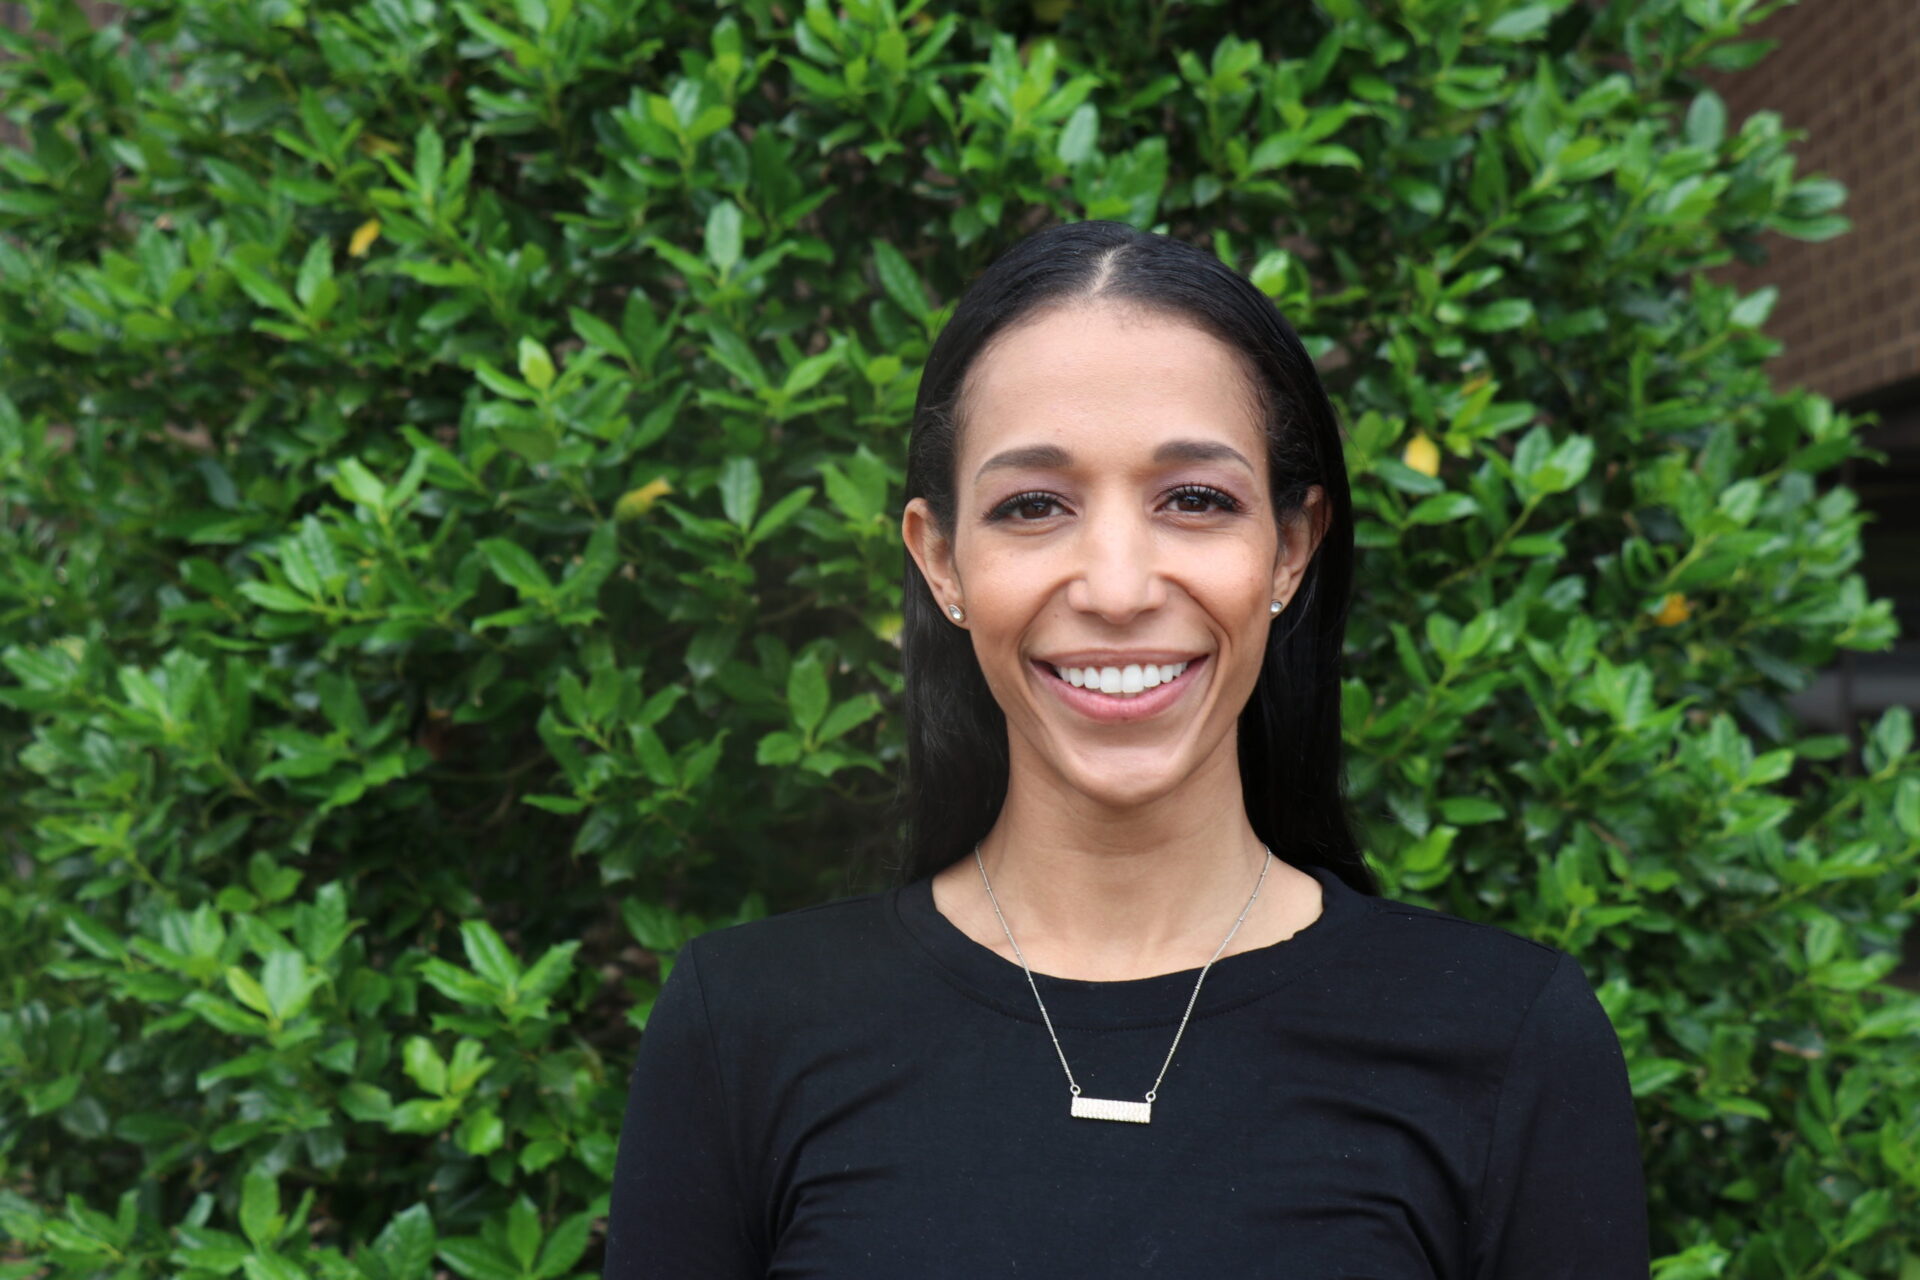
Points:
(449, 482)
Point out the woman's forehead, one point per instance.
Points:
(1110, 378)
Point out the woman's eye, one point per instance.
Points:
(1031, 508)
(1024, 504)
(1209, 498)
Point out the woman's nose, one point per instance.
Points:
(1120, 573)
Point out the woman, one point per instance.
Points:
(1213, 1050)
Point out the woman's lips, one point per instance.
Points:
(1108, 709)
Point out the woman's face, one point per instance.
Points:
(1113, 513)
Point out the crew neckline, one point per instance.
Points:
(987, 976)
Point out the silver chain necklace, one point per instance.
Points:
(1119, 1108)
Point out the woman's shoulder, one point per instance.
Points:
(1414, 930)
(1446, 966)
(792, 950)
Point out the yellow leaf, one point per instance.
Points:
(1674, 610)
(635, 502)
(1423, 455)
(363, 237)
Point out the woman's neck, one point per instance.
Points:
(1108, 895)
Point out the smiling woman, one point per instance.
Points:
(1129, 554)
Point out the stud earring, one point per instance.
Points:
(956, 611)
(1274, 606)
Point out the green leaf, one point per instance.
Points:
(1467, 810)
(900, 281)
(1552, 219)
(1442, 508)
(523, 1232)
(316, 271)
(357, 484)
(847, 716)
(1898, 1018)
(1707, 120)
(655, 760)
(1081, 136)
(457, 984)
(481, 1133)
(723, 236)
(1853, 974)
(429, 160)
(1405, 478)
(740, 490)
(1498, 317)
(405, 1246)
(424, 1065)
(1418, 194)
(1566, 467)
(247, 989)
(1739, 1106)
(541, 1152)
(536, 366)
(489, 955)
(514, 565)
(260, 1215)
(1650, 1075)
(1906, 805)
(1752, 311)
(440, 274)
(551, 971)
(1429, 853)
(564, 1248)
(279, 599)
(271, 1266)
(287, 983)
(423, 1115)
(805, 375)
(368, 1102)
(1891, 738)
(1526, 22)
(94, 936)
(476, 1259)
(778, 748)
(262, 290)
(652, 925)
(500, 384)
(779, 514)
(807, 693)
(598, 333)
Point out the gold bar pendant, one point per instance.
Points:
(1112, 1109)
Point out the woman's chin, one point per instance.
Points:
(1119, 779)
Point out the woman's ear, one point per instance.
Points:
(1300, 536)
(932, 551)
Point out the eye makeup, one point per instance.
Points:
(1218, 500)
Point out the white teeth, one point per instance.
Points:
(1121, 682)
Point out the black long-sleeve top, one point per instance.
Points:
(860, 1090)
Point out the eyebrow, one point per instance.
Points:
(1054, 457)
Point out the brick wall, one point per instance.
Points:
(1847, 72)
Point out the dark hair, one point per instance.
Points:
(1289, 733)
